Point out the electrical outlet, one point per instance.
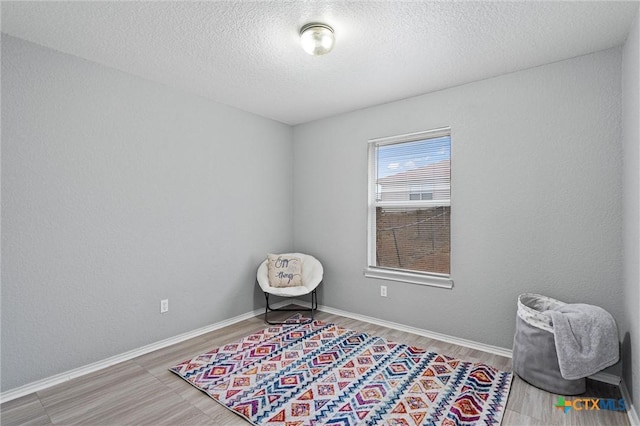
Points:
(164, 306)
(383, 290)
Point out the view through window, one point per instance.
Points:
(410, 202)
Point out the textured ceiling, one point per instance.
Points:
(247, 54)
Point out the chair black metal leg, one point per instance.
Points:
(312, 309)
(266, 308)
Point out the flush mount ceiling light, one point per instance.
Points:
(317, 39)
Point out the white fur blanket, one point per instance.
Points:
(586, 338)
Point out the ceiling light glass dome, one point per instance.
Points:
(317, 39)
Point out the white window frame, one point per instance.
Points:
(391, 274)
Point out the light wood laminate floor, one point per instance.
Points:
(142, 391)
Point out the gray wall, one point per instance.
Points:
(536, 197)
(118, 192)
(631, 197)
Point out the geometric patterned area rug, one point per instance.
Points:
(324, 374)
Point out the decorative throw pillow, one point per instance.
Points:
(284, 271)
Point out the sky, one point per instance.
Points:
(401, 157)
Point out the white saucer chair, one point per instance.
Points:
(312, 273)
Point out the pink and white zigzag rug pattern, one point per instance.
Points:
(324, 374)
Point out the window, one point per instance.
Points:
(410, 208)
(421, 196)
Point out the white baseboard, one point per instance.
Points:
(99, 365)
(421, 332)
(632, 414)
(611, 379)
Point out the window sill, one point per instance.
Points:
(408, 277)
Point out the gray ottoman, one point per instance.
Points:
(534, 351)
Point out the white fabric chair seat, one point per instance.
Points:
(312, 274)
(287, 291)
